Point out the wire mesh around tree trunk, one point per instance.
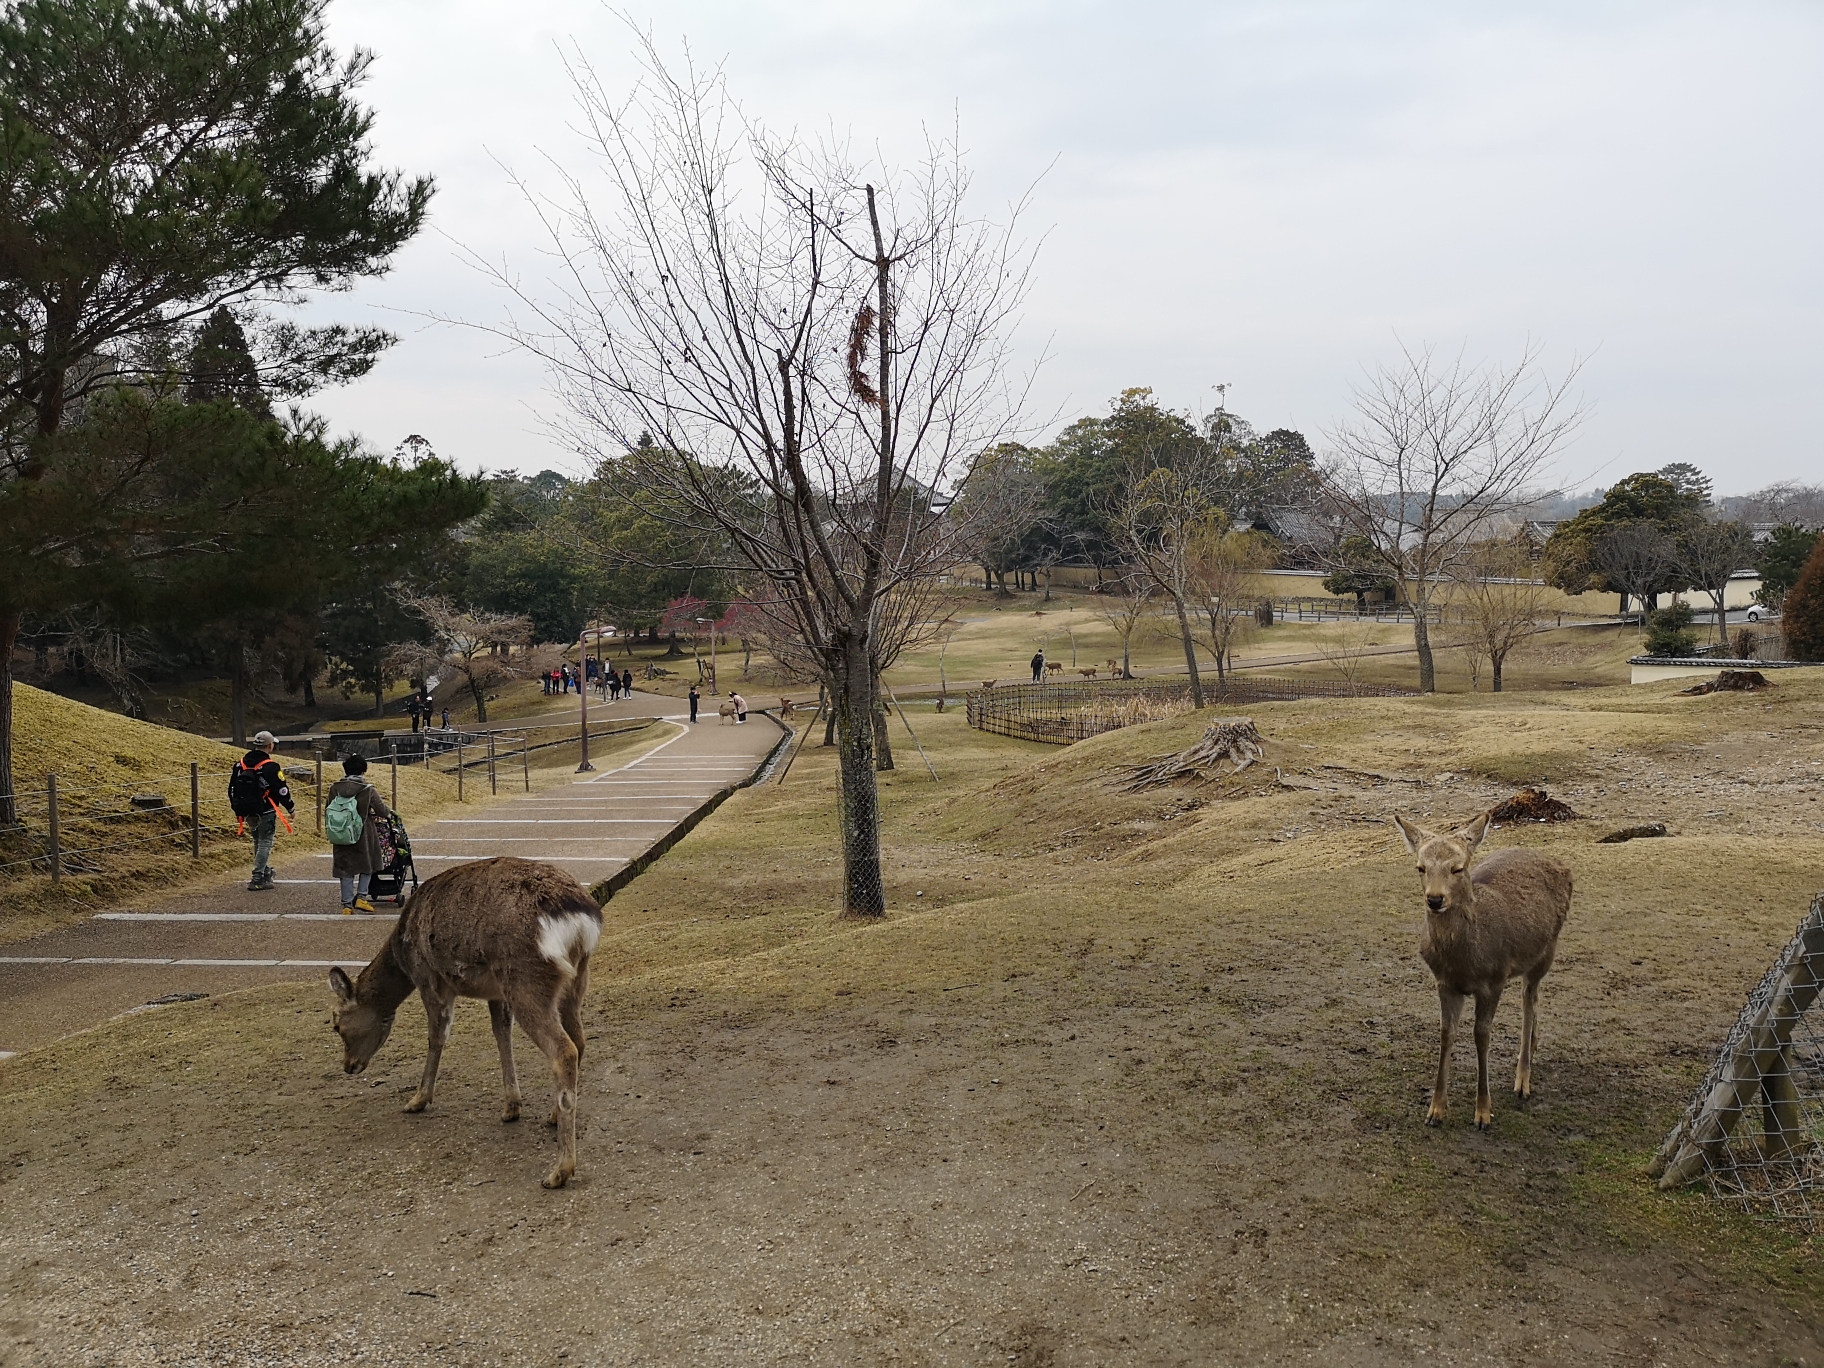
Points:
(1755, 1129)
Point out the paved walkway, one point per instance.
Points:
(219, 937)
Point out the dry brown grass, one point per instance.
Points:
(1134, 1077)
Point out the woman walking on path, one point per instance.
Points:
(353, 800)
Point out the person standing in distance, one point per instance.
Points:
(627, 682)
(696, 697)
(740, 707)
(259, 795)
(1038, 666)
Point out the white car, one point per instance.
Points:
(1758, 614)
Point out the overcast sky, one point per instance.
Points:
(1265, 195)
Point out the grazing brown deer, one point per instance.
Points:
(990, 683)
(1088, 672)
(727, 710)
(1114, 667)
(787, 709)
(1054, 667)
(1481, 930)
(516, 932)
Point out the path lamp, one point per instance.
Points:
(585, 767)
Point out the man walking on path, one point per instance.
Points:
(1038, 666)
(627, 682)
(696, 697)
(256, 790)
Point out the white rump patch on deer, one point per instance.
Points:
(563, 940)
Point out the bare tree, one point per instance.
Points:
(1132, 601)
(813, 349)
(1638, 560)
(1164, 513)
(1437, 452)
(1222, 565)
(468, 646)
(1498, 605)
(1709, 552)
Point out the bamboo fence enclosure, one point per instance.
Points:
(1062, 713)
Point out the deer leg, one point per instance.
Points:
(439, 1013)
(1450, 1005)
(1485, 1024)
(547, 1031)
(1529, 1040)
(502, 1017)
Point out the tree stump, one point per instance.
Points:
(1235, 739)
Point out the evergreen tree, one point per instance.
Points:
(1802, 617)
(161, 159)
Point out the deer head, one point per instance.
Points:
(1444, 861)
(362, 1026)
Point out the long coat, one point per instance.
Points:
(363, 857)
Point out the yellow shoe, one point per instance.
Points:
(348, 911)
(362, 905)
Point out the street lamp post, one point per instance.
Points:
(585, 767)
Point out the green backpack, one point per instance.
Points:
(342, 821)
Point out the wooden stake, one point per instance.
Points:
(56, 836)
(459, 771)
(393, 752)
(196, 808)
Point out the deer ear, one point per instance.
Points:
(340, 986)
(1412, 835)
(1471, 835)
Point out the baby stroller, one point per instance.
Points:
(396, 850)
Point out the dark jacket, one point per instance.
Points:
(363, 857)
(274, 774)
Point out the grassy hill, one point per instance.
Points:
(1133, 1077)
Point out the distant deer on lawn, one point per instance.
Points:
(516, 932)
(1481, 930)
(1114, 668)
(1088, 672)
(787, 709)
(1054, 667)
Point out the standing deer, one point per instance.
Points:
(1481, 930)
(516, 932)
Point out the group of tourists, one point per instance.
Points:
(593, 673)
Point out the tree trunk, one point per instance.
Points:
(1495, 659)
(9, 636)
(1421, 638)
(481, 701)
(863, 892)
(310, 693)
(237, 693)
(1190, 653)
(380, 698)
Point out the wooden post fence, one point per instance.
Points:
(493, 781)
(525, 758)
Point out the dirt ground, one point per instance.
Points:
(1120, 1079)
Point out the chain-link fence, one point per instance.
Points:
(1062, 713)
(1755, 1129)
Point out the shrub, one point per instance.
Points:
(1668, 631)
(1802, 614)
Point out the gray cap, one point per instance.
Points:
(265, 740)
